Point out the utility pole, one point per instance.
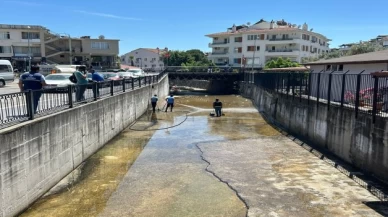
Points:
(70, 49)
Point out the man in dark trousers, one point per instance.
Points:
(170, 102)
(34, 81)
(217, 105)
(154, 101)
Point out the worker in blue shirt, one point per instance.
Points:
(154, 101)
(170, 102)
(34, 81)
(96, 77)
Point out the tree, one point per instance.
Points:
(280, 63)
(185, 58)
(131, 58)
(364, 47)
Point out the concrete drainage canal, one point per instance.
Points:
(234, 165)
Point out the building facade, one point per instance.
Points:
(253, 46)
(145, 58)
(20, 43)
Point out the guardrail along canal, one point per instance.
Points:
(234, 165)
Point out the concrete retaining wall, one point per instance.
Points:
(37, 154)
(356, 141)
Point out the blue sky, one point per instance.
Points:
(181, 25)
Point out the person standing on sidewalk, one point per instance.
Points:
(154, 101)
(82, 83)
(34, 81)
(96, 77)
(217, 105)
(170, 102)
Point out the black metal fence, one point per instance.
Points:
(360, 92)
(204, 69)
(23, 106)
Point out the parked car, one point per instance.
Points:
(136, 73)
(58, 81)
(126, 75)
(6, 73)
(109, 76)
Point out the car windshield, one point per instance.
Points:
(57, 77)
(125, 74)
(110, 75)
(135, 71)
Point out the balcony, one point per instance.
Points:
(281, 39)
(283, 52)
(219, 53)
(218, 44)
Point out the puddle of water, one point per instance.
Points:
(99, 178)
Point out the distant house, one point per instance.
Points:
(370, 62)
(145, 58)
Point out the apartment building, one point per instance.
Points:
(20, 43)
(146, 58)
(254, 45)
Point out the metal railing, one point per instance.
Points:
(360, 92)
(23, 106)
(204, 69)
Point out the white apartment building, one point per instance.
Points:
(145, 58)
(253, 46)
(19, 43)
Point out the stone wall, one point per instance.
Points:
(37, 154)
(356, 141)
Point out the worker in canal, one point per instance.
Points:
(34, 81)
(217, 105)
(170, 102)
(154, 101)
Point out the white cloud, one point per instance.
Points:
(106, 15)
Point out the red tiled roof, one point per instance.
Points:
(123, 66)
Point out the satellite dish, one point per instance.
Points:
(249, 23)
(311, 29)
(101, 37)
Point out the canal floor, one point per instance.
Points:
(191, 164)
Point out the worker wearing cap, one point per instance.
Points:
(33, 81)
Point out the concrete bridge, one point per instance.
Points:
(123, 160)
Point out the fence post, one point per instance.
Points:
(375, 90)
(318, 89)
(111, 87)
(293, 85)
(343, 88)
(358, 93)
(133, 83)
(123, 84)
(288, 84)
(329, 90)
(149, 80)
(301, 79)
(30, 104)
(309, 87)
(139, 82)
(95, 88)
(70, 91)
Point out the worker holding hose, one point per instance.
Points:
(170, 102)
(154, 101)
(217, 105)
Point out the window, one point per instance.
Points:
(98, 45)
(5, 68)
(238, 39)
(273, 48)
(251, 48)
(262, 36)
(328, 67)
(340, 67)
(273, 37)
(30, 35)
(258, 48)
(5, 35)
(145, 66)
(153, 59)
(334, 67)
(238, 49)
(252, 37)
(153, 66)
(145, 59)
(25, 50)
(5, 49)
(62, 56)
(237, 60)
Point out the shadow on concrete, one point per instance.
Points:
(378, 206)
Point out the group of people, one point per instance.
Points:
(217, 105)
(35, 81)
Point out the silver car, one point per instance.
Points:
(6, 73)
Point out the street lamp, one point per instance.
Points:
(29, 49)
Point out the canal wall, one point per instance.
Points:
(37, 154)
(356, 141)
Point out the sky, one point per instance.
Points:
(182, 25)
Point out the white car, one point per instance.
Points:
(58, 80)
(136, 73)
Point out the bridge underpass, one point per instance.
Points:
(191, 164)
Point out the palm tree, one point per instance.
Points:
(132, 57)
